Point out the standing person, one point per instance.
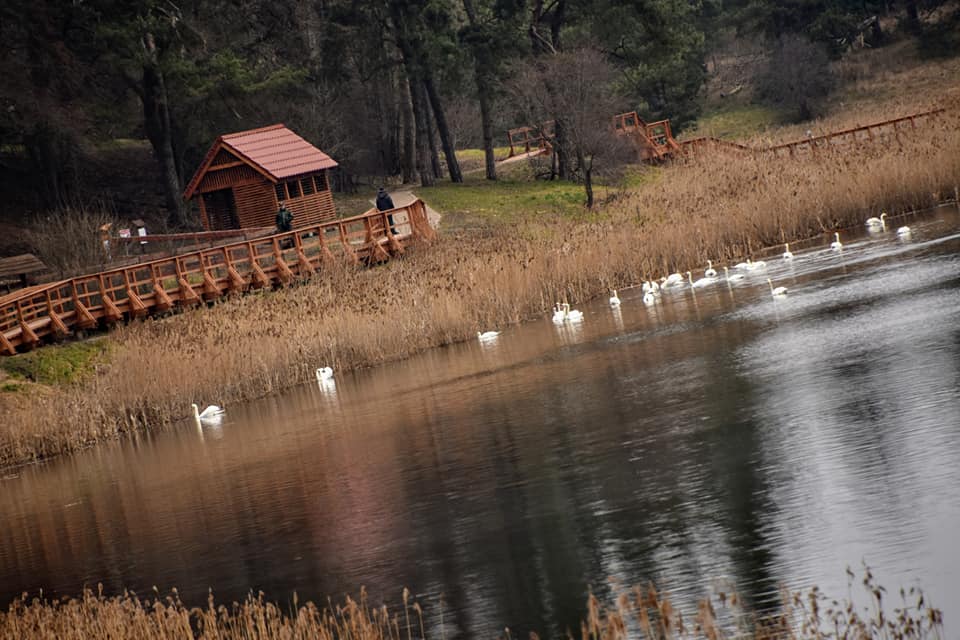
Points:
(284, 218)
(385, 203)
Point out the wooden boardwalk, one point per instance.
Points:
(810, 146)
(30, 316)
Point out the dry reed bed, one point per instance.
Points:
(719, 208)
(635, 613)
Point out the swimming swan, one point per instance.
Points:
(212, 412)
(787, 255)
(559, 314)
(324, 373)
(710, 271)
(572, 315)
(732, 278)
(702, 282)
(778, 292)
(487, 335)
(836, 245)
(615, 299)
(877, 223)
(673, 279)
(903, 232)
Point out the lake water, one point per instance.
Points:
(723, 437)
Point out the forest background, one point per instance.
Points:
(389, 88)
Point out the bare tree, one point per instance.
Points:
(798, 76)
(576, 88)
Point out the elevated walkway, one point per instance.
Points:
(30, 316)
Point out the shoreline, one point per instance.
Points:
(441, 294)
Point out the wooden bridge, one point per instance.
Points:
(811, 145)
(57, 309)
(655, 141)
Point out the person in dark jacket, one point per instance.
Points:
(284, 218)
(385, 203)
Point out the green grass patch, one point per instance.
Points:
(737, 122)
(504, 200)
(56, 365)
(12, 387)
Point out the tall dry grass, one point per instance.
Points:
(634, 613)
(720, 207)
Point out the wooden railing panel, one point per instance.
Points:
(28, 316)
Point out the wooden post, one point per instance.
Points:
(6, 345)
(348, 251)
(26, 333)
(59, 327)
(283, 271)
(137, 308)
(259, 278)
(82, 315)
(110, 309)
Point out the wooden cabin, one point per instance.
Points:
(245, 175)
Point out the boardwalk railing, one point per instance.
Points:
(810, 146)
(59, 308)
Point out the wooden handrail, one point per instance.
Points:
(28, 315)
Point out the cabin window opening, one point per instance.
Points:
(307, 186)
(321, 181)
(293, 189)
(281, 192)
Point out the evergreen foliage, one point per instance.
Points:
(386, 87)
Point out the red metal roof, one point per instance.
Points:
(275, 151)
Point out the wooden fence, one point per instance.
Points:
(57, 309)
(810, 146)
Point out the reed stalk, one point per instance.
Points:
(635, 613)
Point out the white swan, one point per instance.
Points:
(836, 245)
(710, 272)
(903, 232)
(877, 224)
(732, 278)
(614, 299)
(651, 286)
(702, 282)
(572, 315)
(324, 373)
(213, 412)
(753, 266)
(649, 298)
(787, 254)
(778, 292)
(559, 314)
(742, 265)
(673, 279)
(487, 336)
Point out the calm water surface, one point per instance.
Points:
(711, 439)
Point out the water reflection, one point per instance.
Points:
(719, 436)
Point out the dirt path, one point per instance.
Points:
(403, 198)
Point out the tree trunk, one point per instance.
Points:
(484, 91)
(156, 120)
(453, 166)
(559, 138)
(556, 24)
(408, 155)
(423, 149)
(434, 152)
(587, 178)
